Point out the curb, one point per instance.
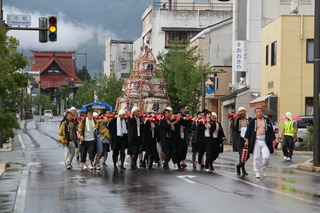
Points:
(306, 166)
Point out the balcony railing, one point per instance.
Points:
(161, 5)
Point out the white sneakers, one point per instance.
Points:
(208, 170)
(85, 167)
(175, 167)
(287, 158)
(258, 175)
(199, 167)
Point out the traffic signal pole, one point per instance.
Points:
(203, 85)
(316, 79)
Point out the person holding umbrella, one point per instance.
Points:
(289, 132)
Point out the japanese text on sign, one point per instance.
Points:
(240, 56)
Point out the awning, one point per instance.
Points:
(260, 101)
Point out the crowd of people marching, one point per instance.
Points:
(141, 137)
(164, 139)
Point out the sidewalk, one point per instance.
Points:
(6, 148)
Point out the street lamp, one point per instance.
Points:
(86, 54)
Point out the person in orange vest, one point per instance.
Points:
(289, 133)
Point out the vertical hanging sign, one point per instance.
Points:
(240, 56)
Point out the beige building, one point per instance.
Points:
(287, 63)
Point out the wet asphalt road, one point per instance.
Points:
(43, 185)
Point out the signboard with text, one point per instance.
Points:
(240, 55)
(22, 20)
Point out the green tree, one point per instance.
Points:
(108, 89)
(84, 95)
(11, 81)
(44, 101)
(83, 74)
(182, 68)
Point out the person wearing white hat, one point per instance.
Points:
(135, 131)
(289, 133)
(239, 126)
(167, 127)
(73, 110)
(88, 133)
(219, 139)
(119, 138)
(259, 139)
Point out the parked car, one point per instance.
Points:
(48, 113)
(303, 134)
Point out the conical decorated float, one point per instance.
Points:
(145, 88)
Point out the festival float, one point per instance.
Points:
(145, 88)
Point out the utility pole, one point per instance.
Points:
(316, 85)
(1, 99)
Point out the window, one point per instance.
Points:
(310, 50)
(274, 53)
(180, 38)
(267, 55)
(309, 105)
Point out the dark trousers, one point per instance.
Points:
(151, 151)
(215, 149)
(120, 147)
(205, 147)
(287, 146)
(88, 147)
(184, 149)
(135, 149)
(169, 150)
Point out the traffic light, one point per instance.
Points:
(43, 34)
(52, 22)
(215, 82)
(72, 81)
(37, 85)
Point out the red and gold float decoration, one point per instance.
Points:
(145, 88)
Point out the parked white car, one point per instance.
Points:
(303, 134)
(48, 113)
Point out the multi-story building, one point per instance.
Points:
(249, 17)
(118, 60)
(287, 63)
(178, 20)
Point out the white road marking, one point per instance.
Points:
(186, 178)
(268, 189)
(21, 142)
(22, 189)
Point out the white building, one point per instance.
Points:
(178, 20)
(118, 60)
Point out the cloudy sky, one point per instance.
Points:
(80, 23)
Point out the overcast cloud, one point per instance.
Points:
(80, 23)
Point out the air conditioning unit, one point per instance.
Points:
(294, 7)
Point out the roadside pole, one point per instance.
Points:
(316, 135)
